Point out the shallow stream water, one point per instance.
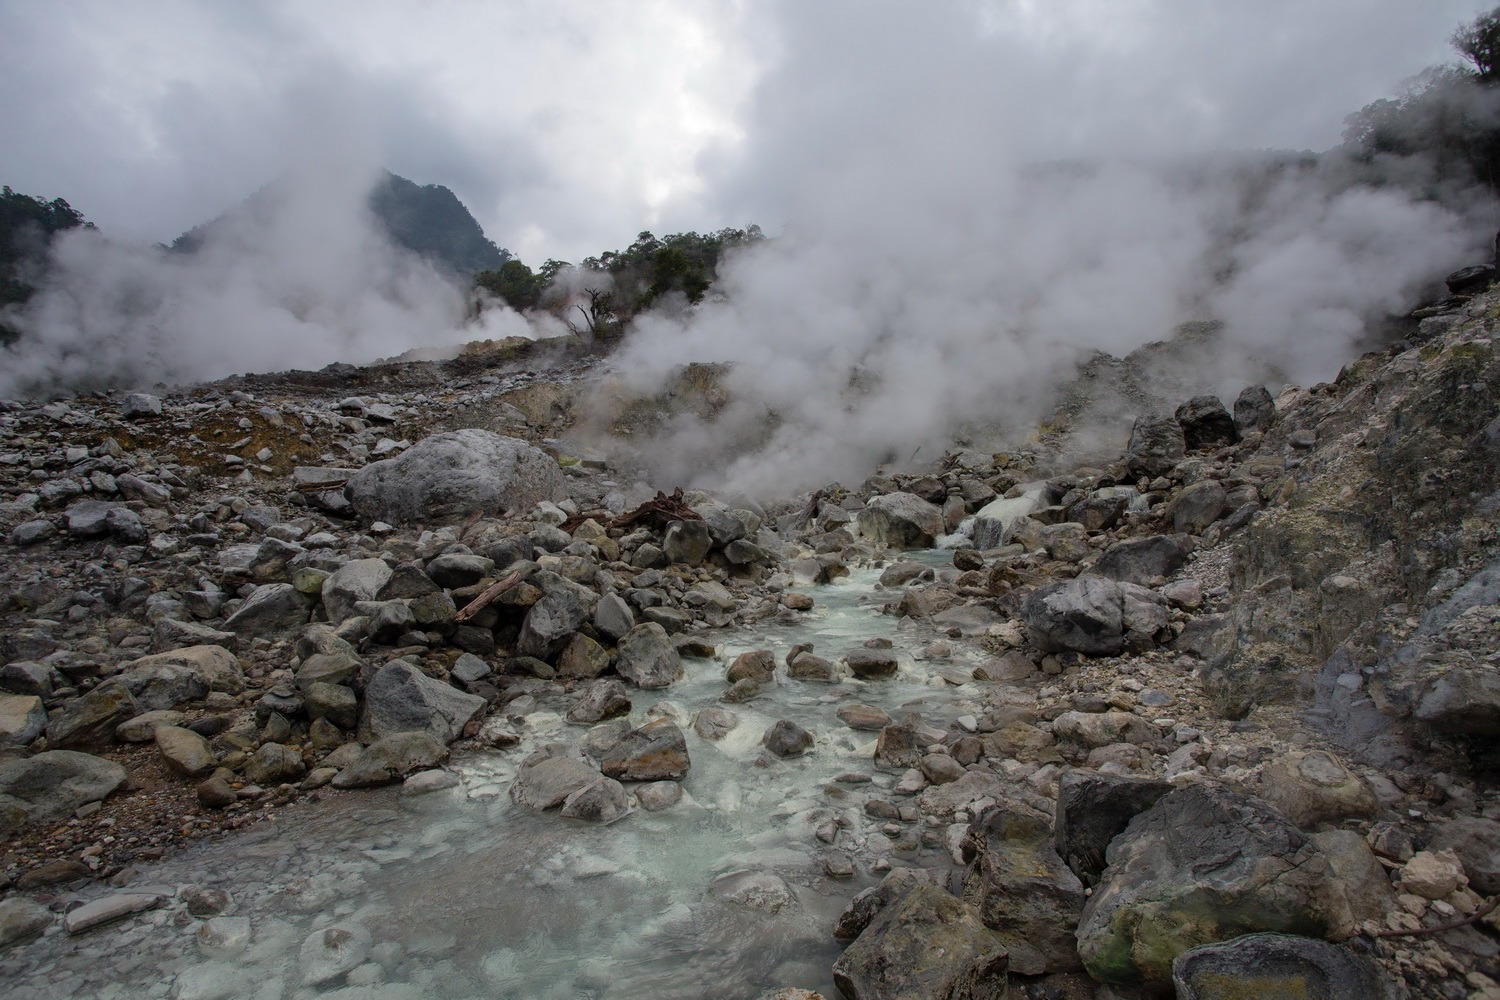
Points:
(460, 893)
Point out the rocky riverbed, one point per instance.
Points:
(1216, 709)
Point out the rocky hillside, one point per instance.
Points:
(1239, 679)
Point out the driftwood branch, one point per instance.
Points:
(488, 595)
(660, 509)
(322, 487)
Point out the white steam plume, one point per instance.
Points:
(965, 230)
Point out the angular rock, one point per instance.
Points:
(274, 764)
(613, 617)
(355, 581)
(1140, 560)
(452, 475)
(758, 665)
(391, 759)
(273, 609)
(1476, 842)
(582, 657)
(550, 623)
(787, 739)
(899, 747)
(1156, 445)
(1254, 409)
(546, 778)
(1094, 616)
(333, 702)
(140, 404)
(1092, 810)
(869, 902)
(687, 541)
(402, 699)
(603, 699)
(1197, 506)
(1023, 890)
(1102, 729)
(457, 569)
(872, 664)
(142, 728)
(647, 657)
(52, 785)
(655, 751)
(90, 721)
(185, 752)
(125, 526)
(1203, 864)
(23, 718)
(901, 520)
(927, 943)
(1205, 423)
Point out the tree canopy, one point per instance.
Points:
(606, 291)
(27, 225)
(1446, 120)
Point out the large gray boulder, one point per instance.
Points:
(647, 657)
(927, 943)
(1254, 409)
(1203, 864)
(51, 786)
(453, 475)
(901, 520)
(1094, 616)
(1156, 445)
(402, 699)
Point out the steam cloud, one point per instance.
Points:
(966, 229)
(971, 202)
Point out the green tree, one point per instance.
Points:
(1479, 43)
(515, 283)
(27, 227)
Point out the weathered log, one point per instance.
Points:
(488, 595)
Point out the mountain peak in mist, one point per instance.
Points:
(427, 219)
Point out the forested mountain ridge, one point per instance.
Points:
(427, 219)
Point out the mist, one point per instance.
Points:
(967, 200)
(963, 233)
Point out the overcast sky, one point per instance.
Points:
(567, 126)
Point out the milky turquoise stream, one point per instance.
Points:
(463, 894)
